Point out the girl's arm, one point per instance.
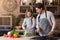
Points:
(33, 20)
(24, 24)
(37, 26)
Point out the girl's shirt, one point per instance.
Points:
(50, 18)
(29, 22)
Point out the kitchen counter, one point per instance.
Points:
(21, 38)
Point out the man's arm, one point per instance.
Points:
(53, 24)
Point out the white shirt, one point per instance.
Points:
(50, 18)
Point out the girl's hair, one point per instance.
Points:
(29, 10)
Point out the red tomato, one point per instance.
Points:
(5, 35)
(11, 35)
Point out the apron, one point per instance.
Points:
(44, 26)
(32, 31)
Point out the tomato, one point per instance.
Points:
(5, 35)
(15, 36)
(11, 35)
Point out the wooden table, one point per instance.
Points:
(21, 38)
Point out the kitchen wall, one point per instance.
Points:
(6, 5)
(10, 7)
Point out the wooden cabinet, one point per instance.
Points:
(51, 5)
(5, 23)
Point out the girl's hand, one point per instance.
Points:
(30, 28)
(24, 28)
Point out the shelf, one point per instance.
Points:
(53, 8)
(51, 5)
(36, 14)
(56, 31)
(25, 5)
(24, 13)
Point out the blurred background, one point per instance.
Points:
(12, 13)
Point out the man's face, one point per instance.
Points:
(38, 10)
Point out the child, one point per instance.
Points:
(29, 23)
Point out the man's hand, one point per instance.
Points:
(38, 30)
(50, 33)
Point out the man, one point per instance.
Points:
(45, 21)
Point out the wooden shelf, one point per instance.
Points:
(24, 13)
(46, 5)
(24, 5)
(56, 31)
(51, 5)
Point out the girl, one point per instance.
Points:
(29, 23)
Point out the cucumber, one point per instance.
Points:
(27, 34)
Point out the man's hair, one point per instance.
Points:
(40, 5)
